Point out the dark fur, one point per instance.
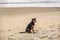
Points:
(30, 26)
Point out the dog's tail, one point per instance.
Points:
(22, 32)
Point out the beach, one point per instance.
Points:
(15, 20)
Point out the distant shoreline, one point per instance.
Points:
(26, 2)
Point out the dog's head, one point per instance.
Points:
(34, 20)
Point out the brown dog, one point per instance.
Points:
(30, 26)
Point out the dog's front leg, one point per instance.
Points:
(32, 29)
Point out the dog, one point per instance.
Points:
(30, 26)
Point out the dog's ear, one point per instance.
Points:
(33, 18)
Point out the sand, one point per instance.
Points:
(14, 20)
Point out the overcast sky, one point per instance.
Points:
(47, 3)
(29, 0)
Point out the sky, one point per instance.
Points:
(25, 3)
(29, 0)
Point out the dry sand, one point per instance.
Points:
(15, 20)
